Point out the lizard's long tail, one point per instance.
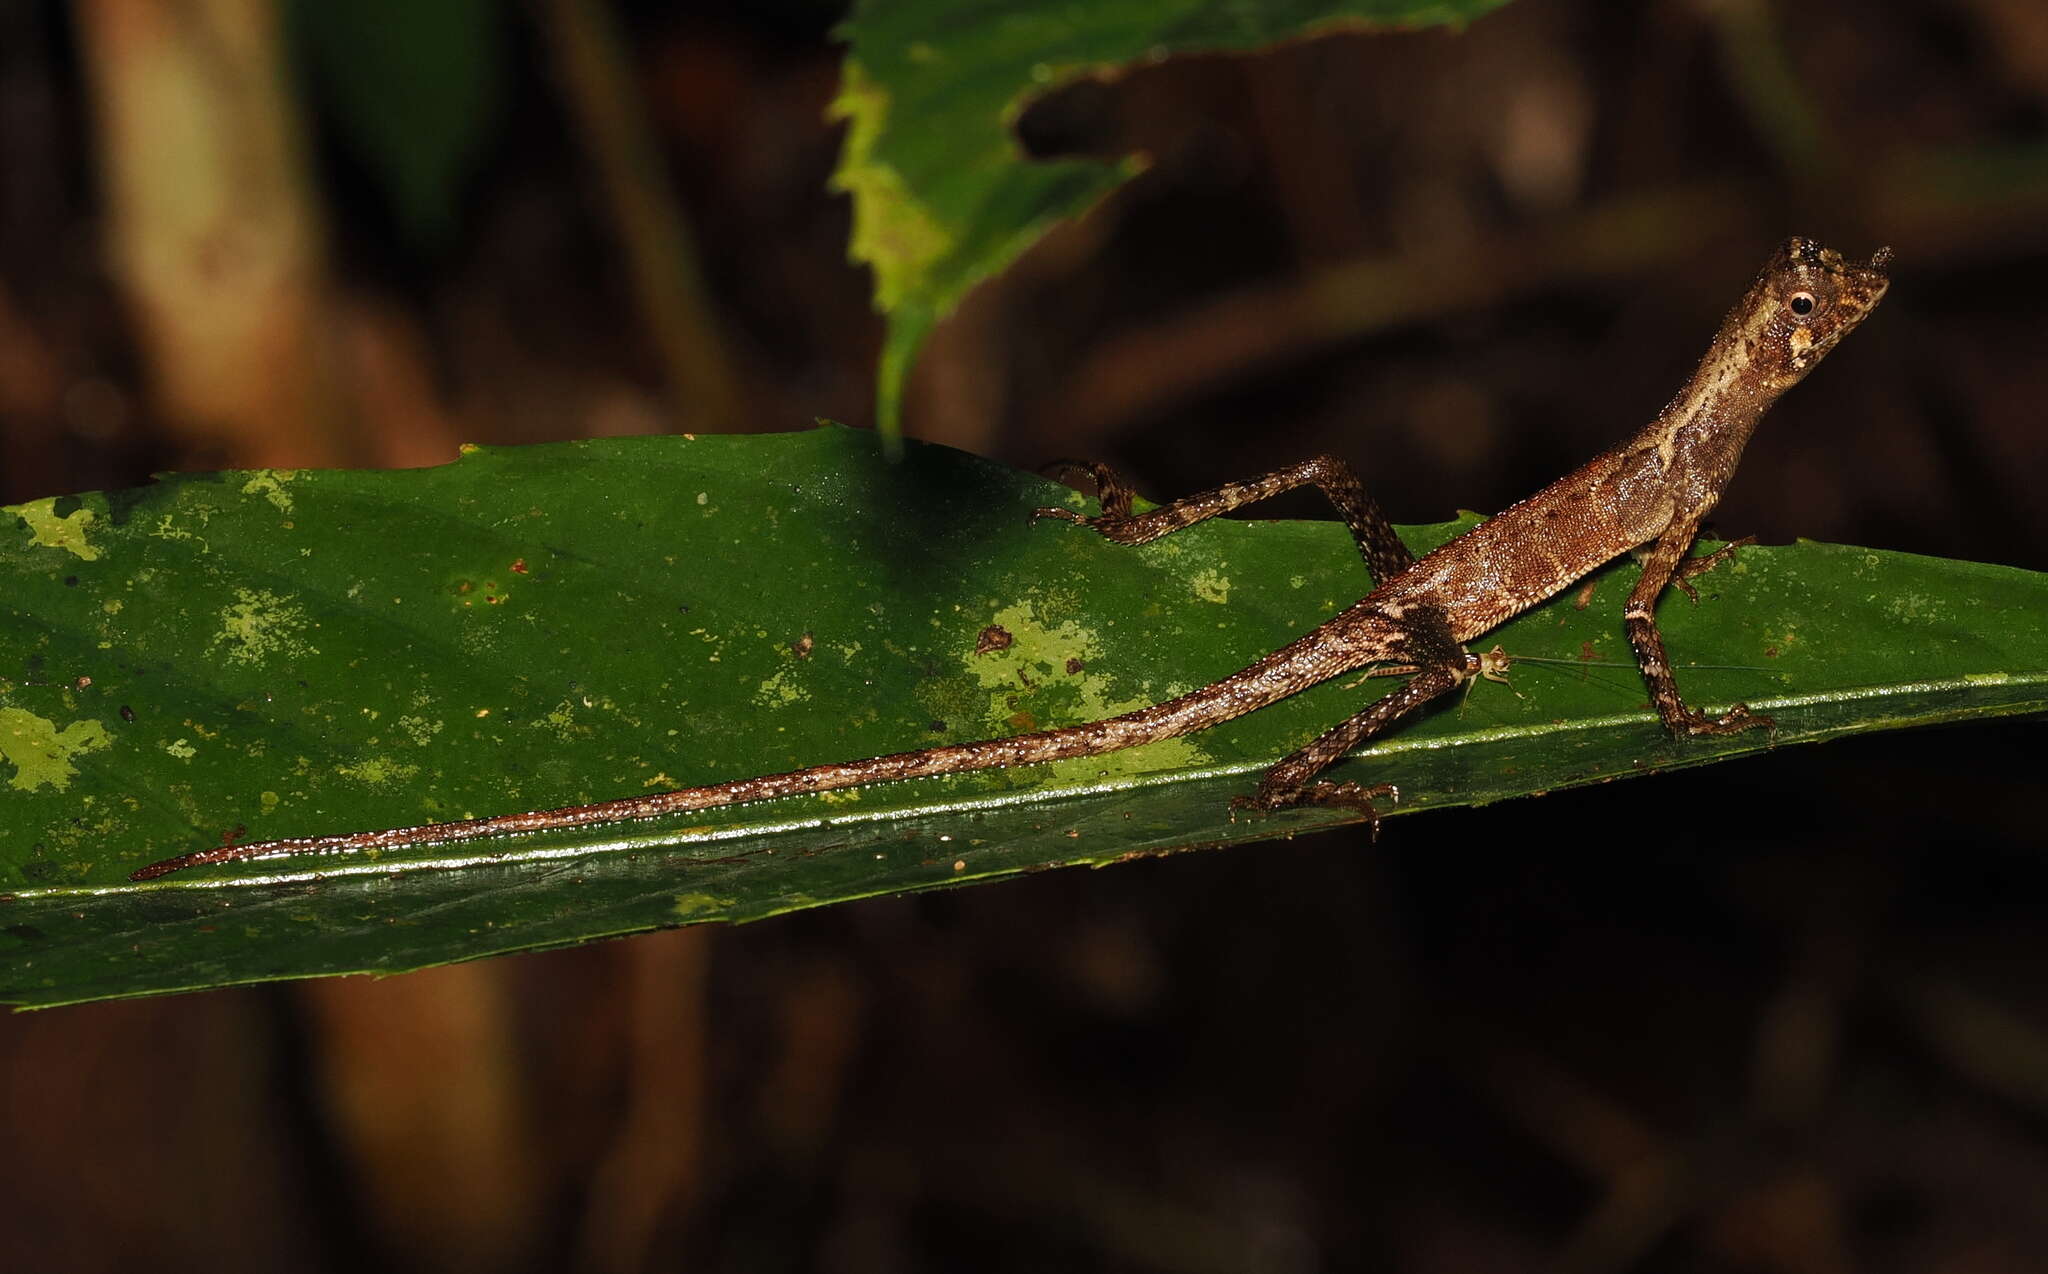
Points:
(1308, 660)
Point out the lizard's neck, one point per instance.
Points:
(1701, 432)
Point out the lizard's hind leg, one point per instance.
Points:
(1385, 556)
(1443, 668)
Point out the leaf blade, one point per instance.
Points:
(311, 653)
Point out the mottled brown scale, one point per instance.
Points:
(1654, 489)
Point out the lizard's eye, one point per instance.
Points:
(1802, 303)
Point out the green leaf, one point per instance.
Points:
(279, 654)
(942, 196)
(415, 90)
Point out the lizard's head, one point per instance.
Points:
(1806, 299)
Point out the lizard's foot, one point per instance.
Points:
(1110, 526)
(1351, 796)
(1493, 665)
(1736, 719)
(1701, 565)
(1111, 490)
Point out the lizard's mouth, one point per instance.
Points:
(1860, 283)
(1863, 286)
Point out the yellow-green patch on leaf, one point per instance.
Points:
(40, 752)
(893, 232)
(47, 530)
(260, 625)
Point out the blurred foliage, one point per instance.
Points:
(416, 90)
(943, 195)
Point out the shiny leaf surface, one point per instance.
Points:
(275, 654)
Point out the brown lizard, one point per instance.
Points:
(1654, 489)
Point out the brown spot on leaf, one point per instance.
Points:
(993, 638)
(803, 647)
(1074, 667)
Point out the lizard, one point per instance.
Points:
(1649, 494)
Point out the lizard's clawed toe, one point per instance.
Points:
(1064, 515)
(1736, 719)
(1111, 490)
(1351, 796)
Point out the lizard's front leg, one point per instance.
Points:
(1660, 566)
(1691, 566)
(1385, 556)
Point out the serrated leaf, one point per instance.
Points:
(288, 653)
(942, 196)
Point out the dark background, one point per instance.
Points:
(1780, 1015)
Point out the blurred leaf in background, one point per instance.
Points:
(943, 195)
(416, 90)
